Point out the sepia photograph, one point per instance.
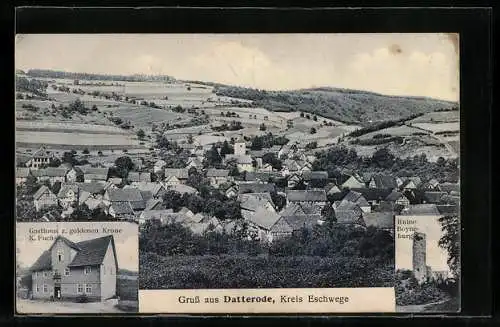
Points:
(76, 267)
(247, 161)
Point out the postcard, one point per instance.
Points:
(264, 173)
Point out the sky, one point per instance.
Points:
(126, 242)
(394, 64)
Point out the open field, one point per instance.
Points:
(90, 140)
(441, 127)
(37, 126)
(438, 117)
(393, 131)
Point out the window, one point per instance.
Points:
(60, 255)
(66, 272)
(38, 288)
(45, 273)
(87, 270)
(79, 288)
(45, 288)
(34, 275)
(88, 289)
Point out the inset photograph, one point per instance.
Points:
(77, 268)
(428, 263)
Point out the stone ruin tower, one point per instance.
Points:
(419, 257)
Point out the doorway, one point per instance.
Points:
(57, 292)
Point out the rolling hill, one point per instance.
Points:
(348, 106)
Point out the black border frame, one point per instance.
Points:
(473, 24)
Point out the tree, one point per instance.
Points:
(262, 127)
(383, 158)
(270, 158)
(190, 139)
(86, 151)
(313, 130)
(278, 200)
(450, 241)
(212, 158)
(123, 165)
(54, 162)
(302, 114)
(315, 118)
(94, 108)
(81, 212)
(226, 149)
(311, 145)
(329, 214)
(141, 134)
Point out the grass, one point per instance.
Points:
(127, 288)
(439, 127)
(438, 117)
(393, 131)
(33, 138)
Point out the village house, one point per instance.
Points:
(158, 166)
(353, 182)
(124, 202)
(137, 177)
(262, 176)
(349, 213)
(240, 149)
(383, 182)
(381, 220)
(410, 183)
(181, 188)
(316, 196)
(194, 162)
(154, 204)
(159, 215)
(421, 210)
(256, 188)
(260, 224)
(315, 178)
(359, 199)
(398, 198)
(91, 174)
(75, 174)
(433, 197)
(22, 175)
(231, 191)
(68, 195)
(218, 177)
(44, 198)
(157, 190)
(51, 174)
(40, 158)
(244, 163)
(175, 176)
(449, 187)
(293, 180)
(69, 270)
(373, 195)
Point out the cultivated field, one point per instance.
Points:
(37, 126)
(25, 138)
(439, 128)
(438, 117)
(393, 131)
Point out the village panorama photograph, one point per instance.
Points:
(247, 160)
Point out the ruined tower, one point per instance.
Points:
(419, 257)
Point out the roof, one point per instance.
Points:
(92, 187)
(134, 176)
(433, 197)
(154, 188)
(318, 195)
(122, 208)
(256, 188)
(384, 181)
(181, 173)
(181, 188)
(42, 190)
(379, 219)
(311, 175)
(292, 208)
(52, 172)
(217, 172)
(125, 194)
(199, 228)
(450, 199)
(253, 201)
(394, 196)
(356, 197)
(92, 252)
(22, 172)
(43, 153)
(151, 204)
(263, 176)
(448, 209)
(89, 253)
(349, 213)
(373, 194)
(95, 173)
(302, 221)
(66, 187)
(422, 210)
(156, 214)
(115, 180)
(263, 218)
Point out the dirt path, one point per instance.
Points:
(33, 306)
